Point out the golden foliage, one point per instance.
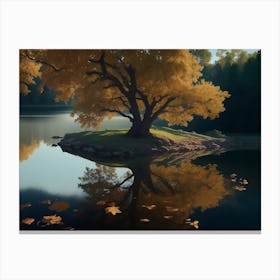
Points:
(25, 150)
(168, 80)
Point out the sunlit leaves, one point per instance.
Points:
(160, 74)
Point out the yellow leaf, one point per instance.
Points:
(114, 210)
(28, 221)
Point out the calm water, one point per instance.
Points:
(61, 191)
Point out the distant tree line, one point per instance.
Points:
(238, 72)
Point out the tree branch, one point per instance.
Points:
(119, 112)
(42, 62)
(161, 109)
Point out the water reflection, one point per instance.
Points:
(153, 196)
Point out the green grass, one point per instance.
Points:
(118, 138)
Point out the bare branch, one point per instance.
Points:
(163, 107)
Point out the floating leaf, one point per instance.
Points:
(171, 209)
(46, 201)
(195, 224)
(59, 206)
(167, 217)
(114, 210)
(100, 203)
(52, 220)
(149, 207)
(145, 220)
(28, 221)
(245, 182)
(239, 188)
(25, 205)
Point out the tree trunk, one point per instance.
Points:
(140, 129)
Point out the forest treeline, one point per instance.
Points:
(238, 72)
(235, 71)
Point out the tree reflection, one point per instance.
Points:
(153, 195)
(25, 150)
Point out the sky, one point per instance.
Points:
(214, 57)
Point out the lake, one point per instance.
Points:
(61, 191)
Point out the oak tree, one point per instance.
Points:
(141, 85)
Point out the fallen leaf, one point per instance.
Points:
(100, 203)
(167, 217)
(28, 221)
(25, 205)
(149, 207)
(171, 209)
(239, 188)
(59, 206)
(245, 182)
(195, 224)
(46, 201)
(52, 220)
(144, 220)
(114, 210)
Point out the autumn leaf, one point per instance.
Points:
(167, 217)
(195, 224)
(149, 207)
(52, 220)
(171, 209)
(239, 188)
(25, 205)
(245, 182)
(144, 220)
(114, 210)
(59, 206)
(100, 203)
(28, 221)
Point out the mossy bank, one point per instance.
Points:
(115, 144)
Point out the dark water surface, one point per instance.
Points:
(60, 191)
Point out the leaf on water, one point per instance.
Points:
(114, 210)
(245, 182)
(101, 203)
(239, 188)
(52, 220)
(25, 205)
(149, 207)
(195, 224)
(145, 220)
(171, 209)
(59, 206)
(28, 221)
(233, 175)
(167, 217)
(46, 201)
